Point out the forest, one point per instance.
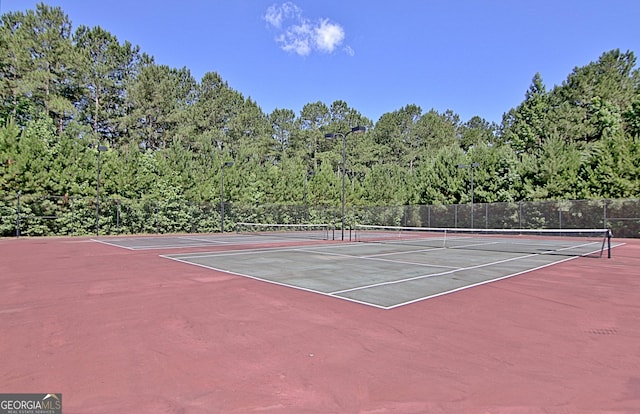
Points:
(86, 116)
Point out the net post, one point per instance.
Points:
(607, 242)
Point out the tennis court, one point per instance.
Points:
(246, 234)
(394, 270)
(118, 329)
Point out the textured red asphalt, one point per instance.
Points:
(119, 331)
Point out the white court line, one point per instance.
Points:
(273, 282)
(545, 253)
(180, 258)
(235, 253)
(155, 247)
(376, 258)
(448, 272)
(309, 249)
(335, 295)
(199, 239)
(315, 249)
(550, 249)
(428, 249)
(111, 244)
(484, 282)
(196, 242)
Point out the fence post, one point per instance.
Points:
(117, 215)
(604, 214)
(486, 215)
(455, 216)
(72, 206)
(18, 217)
(560, 218)
(520, 214)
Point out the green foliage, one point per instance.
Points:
(8, 216)
(611, 169)
(386, 184)
(524, 127)
(556, 174)
(497, 177)
(440, 179)
(105, 68)
(168, 135)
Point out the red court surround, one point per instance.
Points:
(119, 331)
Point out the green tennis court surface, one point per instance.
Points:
(195, 240)
(386, 275)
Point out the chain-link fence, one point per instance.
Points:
(622, 216)
(36, 215)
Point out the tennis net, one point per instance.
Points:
(570, 242)
(301, 231)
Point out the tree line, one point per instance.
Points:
(65, 92)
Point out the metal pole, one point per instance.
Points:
(560, 218)
(486, 216)
(344, 173)
(519, 214)
(307, 175)
(471, 195)
(222, 201)
(101, 148)
(98, 196)
(226, 164)
(117, 216)
(455, 216)
(344, 162)
(471, 167)
(304, 195)
(18, 218)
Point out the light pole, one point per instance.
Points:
(304, 194)
(101, 148)
(225, 165)
(344, 160)
(471, 167)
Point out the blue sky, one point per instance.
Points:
(473, 57)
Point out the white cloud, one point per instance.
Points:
(349, 50)
(328, 35)
(276, 14)
(300, 35)
(296, 39)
